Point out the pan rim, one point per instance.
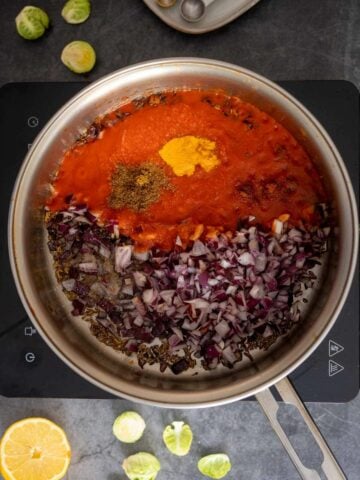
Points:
(173, 398)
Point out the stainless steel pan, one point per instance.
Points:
(70, 338)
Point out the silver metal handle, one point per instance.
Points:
(329, 466)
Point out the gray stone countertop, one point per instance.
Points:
(281, 39)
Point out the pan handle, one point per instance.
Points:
(330, 467)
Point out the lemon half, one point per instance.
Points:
(34, 448)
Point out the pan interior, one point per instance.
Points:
(47, 305)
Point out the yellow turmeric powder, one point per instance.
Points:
(183, 154)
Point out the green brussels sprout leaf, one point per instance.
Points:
(178, 438)
(215, 466)
(129, 427)
(32, 22)
(76, 11)
(141, 466)
(79, 56)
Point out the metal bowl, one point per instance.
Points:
(46, 304)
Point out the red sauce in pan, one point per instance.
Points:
(263, 170)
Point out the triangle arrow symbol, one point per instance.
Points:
(334, 368)
(334, 348)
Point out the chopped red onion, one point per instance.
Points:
(138, 321)
(104, 251)
(167, 296)
(229, 355)
(257, 292)
(246, 259)
(149, 296)
(215, 297)
(140, 307)
(222, 328)
(198, 249)
(198, 303)
(122, 257)
(128, 290)
(88, 267)
(68, 284)
(140, 279)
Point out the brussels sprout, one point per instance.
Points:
(129, 427)
(32, 22)
(178, 438)
(76, 11)
(216, 465)
(141, 466)
(79, 56)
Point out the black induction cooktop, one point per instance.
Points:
(28, 368)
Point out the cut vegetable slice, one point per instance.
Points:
(129, 427)
(178, 438)
(76, 11)
(79, 56)
(32, 22)
(216, 465)
(34, 448)
(141, 466)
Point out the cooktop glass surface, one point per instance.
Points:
(29, 368)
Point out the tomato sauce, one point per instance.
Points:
(263, 170)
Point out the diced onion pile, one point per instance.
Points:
(216, 299)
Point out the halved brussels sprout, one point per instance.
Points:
(129, 427)
(141, 466)
(216, 465)
(79, 56)
(76, 11)
(32, 22)
(178, 438)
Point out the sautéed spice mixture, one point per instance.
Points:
(185, 226)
